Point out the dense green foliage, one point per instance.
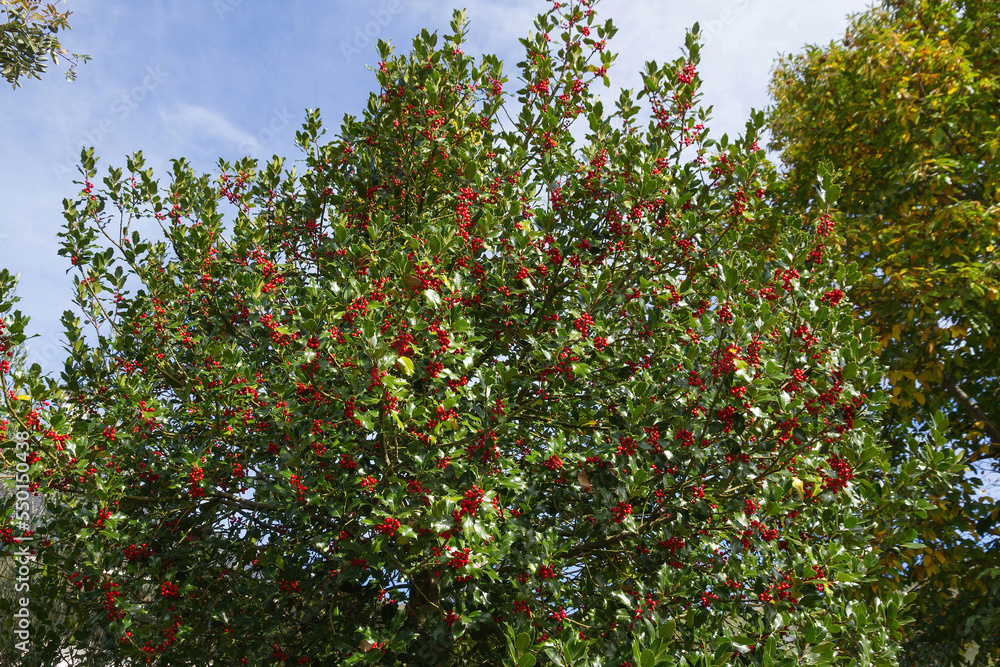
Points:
(905, 107)
(460, 389)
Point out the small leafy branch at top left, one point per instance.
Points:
(28, 40)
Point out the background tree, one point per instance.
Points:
(29, 40)
(905, 107)
(460, 389)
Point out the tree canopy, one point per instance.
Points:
(461, 388)
(905, 108)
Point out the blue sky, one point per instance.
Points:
(204, 79)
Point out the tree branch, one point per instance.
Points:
(611, 540)
(970, 406)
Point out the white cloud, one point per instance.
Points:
(191, 122)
